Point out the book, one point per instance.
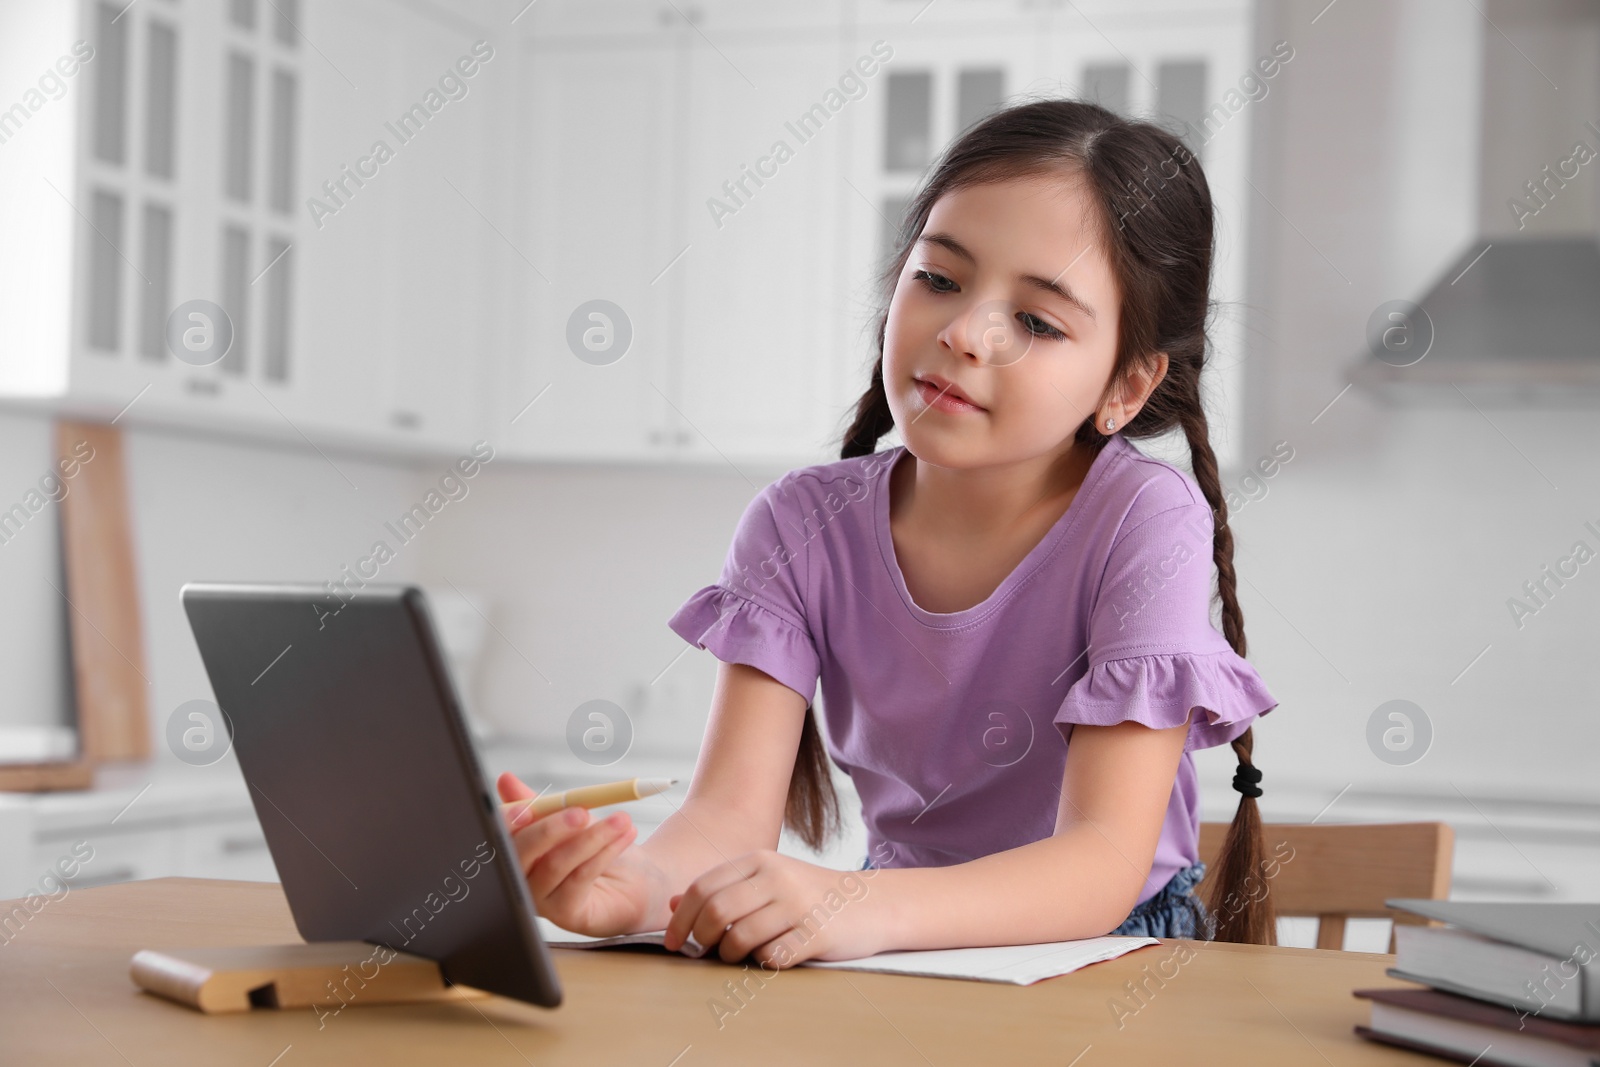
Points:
(1538, 958)
(1473, 965)
(1009, 964)
(1468, 1030)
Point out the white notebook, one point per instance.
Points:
(1011, 964)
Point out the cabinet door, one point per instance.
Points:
(242, 171)
(598, 149)
(100, 858)
(173, 151)
(235, 849)
(761, 347)
(440, 251)
(393, 329)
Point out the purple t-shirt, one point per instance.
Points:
(944, 720)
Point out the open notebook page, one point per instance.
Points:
(1012, 964)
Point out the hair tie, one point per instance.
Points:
(1245, 779)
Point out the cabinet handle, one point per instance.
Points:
(243, 844)
(115, 874)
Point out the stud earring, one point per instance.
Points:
(1111, 424)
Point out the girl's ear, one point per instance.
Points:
(1153, 372)
(1158, 371)
(1132, 391)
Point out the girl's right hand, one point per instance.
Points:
(583, 875)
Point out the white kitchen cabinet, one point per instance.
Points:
(602, 21)
(395, 322)
(735, 349)
(180, 164)
(196, 844)
(114, 855)
(156, 819)
(182, 182)
(609, 20)
(234, 849)
(759, 358)
(597, 145)
(124, 201)
(432, 307)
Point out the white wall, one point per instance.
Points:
(1381, 563)
(577, 567)
(202, 508)
(585, 564)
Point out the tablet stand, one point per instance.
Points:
(327, 976)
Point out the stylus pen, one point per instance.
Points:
(595, 796)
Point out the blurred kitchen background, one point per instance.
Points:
(391, 308)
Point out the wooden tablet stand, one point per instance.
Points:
(327, 976)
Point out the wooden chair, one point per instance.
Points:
(1338, 872)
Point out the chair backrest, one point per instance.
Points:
(1341, 871)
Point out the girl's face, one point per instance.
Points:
(1007, 299)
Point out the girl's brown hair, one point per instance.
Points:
(1155, 213)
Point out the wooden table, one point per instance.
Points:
(65, 997)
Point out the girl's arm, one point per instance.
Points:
(1080, 882)
(736, 799)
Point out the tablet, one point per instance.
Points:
(357, 759)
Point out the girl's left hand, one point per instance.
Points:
(781, 909)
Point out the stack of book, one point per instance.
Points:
(1513, 985)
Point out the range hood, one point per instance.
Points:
(1513, 321)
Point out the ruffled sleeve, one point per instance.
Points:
(1154, 656)
(756, 614)
(736, 630)
(1222, 690)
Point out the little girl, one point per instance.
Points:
(1009, 614)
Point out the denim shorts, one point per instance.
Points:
(1174, 911)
